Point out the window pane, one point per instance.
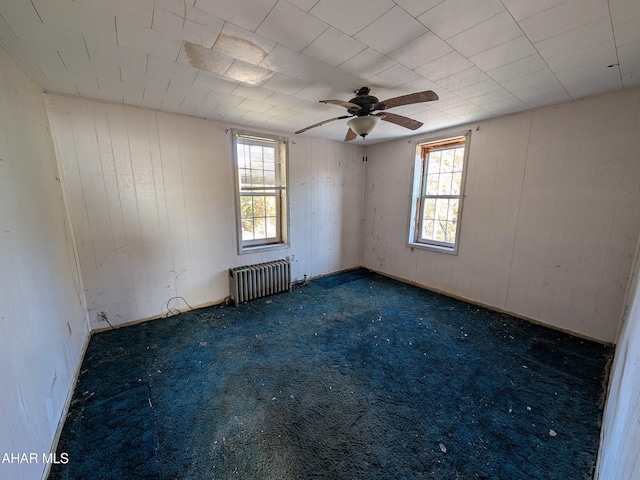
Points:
(259, 228)
(438, 233)
(427, 229)
(434, 162)
(246, 207)
(270, 165)
(269, 177)
(429, 208)
(257, 178)
(445, 184)
(451, 232)
(259, 206)
(271, 227)
(269, 155)
(446, 164)
(270, 206)
(456, 183)
(245, 176)
(453, 210)
(432, 184)
(247, 229)
(256, 153)
(442, 208)
(458, 158)
(243, 156)
(446, 231)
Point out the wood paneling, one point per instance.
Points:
(153, 199)
(549, 222)
(43, 327)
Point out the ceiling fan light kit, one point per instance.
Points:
(361, 107)
(363, 126)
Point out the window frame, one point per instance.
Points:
(281, 194)
(418, 188)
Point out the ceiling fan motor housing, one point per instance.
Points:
(366, 102)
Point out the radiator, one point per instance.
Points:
(255, 281)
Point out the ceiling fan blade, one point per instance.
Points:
(347, 105)
(418, 97)
(406, 122)
(322, 123)
(350, 135)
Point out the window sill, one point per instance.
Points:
(433, 248)
(262, 248)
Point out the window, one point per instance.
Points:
(261, 190)
(438, 192)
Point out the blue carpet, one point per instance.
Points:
(352, 376)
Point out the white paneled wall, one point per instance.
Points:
(43, 327)
(550, 216)
(152, 202)
(620, 436)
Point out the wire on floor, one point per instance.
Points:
(175, 311)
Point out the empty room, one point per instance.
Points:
(290, 239)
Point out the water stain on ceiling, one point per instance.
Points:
(232, 58)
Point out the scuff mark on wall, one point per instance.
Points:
(55, 378)
(382, 250)
(115, 250)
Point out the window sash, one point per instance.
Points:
(423, 218)
(276, 238)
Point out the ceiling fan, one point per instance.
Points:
(362, 106)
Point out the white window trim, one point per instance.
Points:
(416, 193)
(246, 247)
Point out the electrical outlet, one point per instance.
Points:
(102, 316)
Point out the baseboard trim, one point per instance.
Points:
(491, 307)
(156, 317)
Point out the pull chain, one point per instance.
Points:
(364, 158)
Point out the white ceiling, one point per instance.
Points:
(266, 63)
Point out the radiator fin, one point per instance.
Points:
(256, 281)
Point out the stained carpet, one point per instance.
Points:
(352, 376)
